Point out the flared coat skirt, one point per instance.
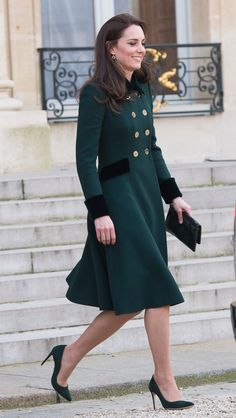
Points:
(133, 274)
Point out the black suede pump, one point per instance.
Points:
(154, 389)
(57, 353)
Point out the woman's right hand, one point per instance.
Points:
(105, 230)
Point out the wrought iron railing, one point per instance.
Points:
(187, 79)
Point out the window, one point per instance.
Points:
(67, 23)
(160, 18)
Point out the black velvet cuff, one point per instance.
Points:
(97, 206)
(169, 190)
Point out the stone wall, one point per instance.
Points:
(182, 138)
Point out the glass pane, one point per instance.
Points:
(67, 24)
(123, 6)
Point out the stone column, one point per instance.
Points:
(25, 38)
(6, 84)
(24, 131)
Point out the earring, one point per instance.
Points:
(113, 57)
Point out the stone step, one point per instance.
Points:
(36, 286)
(53, 183)
(59, 312)
(31, 346)
(27, 214)
(215, 219)
(60, 208)
(43, 234)
(46, 285)
(42, 210)
(75, 231)
(64, 181)
(205, 174)
(210, 197)
(43, 314)
(63, 184)
(38, 260)
(203, 270)
(46, 209)
(206, 297)
(64, 257)
(213, 244)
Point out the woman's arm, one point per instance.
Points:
(168, 186)
(91, 116)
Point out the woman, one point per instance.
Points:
(123, 269)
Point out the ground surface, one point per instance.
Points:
(211, 401)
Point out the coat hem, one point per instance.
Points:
(125, 311)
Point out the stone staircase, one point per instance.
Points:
(42, 233)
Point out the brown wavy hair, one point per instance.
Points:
(108, 74)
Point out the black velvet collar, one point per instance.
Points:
(133, 85)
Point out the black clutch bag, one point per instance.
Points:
(189, 232)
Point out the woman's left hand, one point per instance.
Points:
(180, 206)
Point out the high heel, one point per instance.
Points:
(57, 353)
(154, 389)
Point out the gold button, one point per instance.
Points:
(136, 135)
(144, 112)
(135, 153)
(133, 115)
(147, 132)
(146, 151)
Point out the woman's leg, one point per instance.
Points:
(157, 328)
(102, 327)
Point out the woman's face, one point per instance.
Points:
(130, 49)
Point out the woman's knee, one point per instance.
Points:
(133, 314)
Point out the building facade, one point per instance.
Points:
(30, 141)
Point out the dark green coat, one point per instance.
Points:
(128, 184)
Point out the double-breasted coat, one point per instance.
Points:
(128, 185)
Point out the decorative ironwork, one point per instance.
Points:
(187, 79)
(196, 79)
